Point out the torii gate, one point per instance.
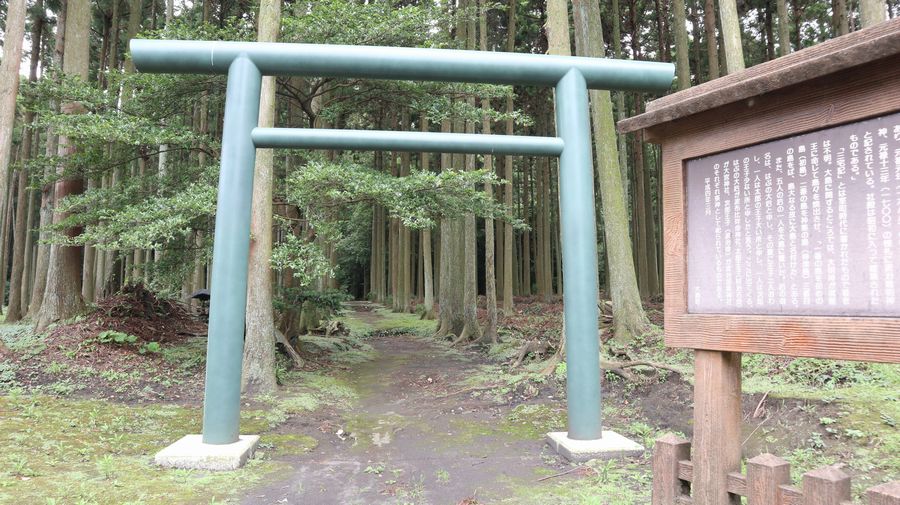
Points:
(246, 62)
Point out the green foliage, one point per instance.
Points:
(7, 374)
(303, 258)
(116, 337)
(299, 403)
(560, 371)
(125, 217)
(188, 355)
(815, 373)
(107, 467)
(372, 23)
(124, 339)
(25, 345)
(329, 301)
(150, 347)
(376, 469)
(325, 189)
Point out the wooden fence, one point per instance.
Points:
(768, 481)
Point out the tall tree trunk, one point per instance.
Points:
(526, 198)
(34, 205)
(770, 32)
(198, 276)
(640, 210)
(784, 28)
(508, 176)
(621, 112)
(628, 314)
(797, 32)
(428, 274)
(13, 39)
(840, 23)
(872, 12)
(135, 16)
(427, 263)
(16, 306)
(404, 235)
(450, 290)
(62, 297)
(490, 281)
(546, 253)
(471, 329)
(652, 258)
(7, 230)
(258, 375)
(712, 51)
(88, 263)
(662, 31)
(394, 243)
(380, 242)
(539, 221)
(695, 22)
(42, 260)
(682, 61)
(113, 55)
(731, 35)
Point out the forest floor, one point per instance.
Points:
(388, 415)
(417, 435)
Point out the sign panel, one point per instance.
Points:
(806, 225)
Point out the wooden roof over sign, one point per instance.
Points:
(842, 53)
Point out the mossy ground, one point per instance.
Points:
(66, 451)
(381, 319)
(63, 445)
(75, 445)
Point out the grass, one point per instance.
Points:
(58, 449)
(82, 451)
(95, 452)
(863, 432)
(389, 321)
(599, 483)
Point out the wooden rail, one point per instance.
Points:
(768, 481)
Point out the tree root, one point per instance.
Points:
(442, 330)
(294, 355)
(472, 390)
(462, 336)
(469, 330)
(620, 368)
(536, 347)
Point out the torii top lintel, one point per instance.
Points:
(399, 63)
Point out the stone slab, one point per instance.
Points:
(611, 445)
(191, 453)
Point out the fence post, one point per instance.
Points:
(885, 494)
(667, 452)
(826, 486)
(764, 474)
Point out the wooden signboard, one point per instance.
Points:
(781, 203)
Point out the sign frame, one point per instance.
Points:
(847, 96)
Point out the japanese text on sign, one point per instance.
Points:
(807, 225)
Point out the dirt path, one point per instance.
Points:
(409, 439)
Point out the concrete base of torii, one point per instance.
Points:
(610, 445)
(192, 454)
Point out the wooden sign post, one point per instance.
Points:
(781, 223)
